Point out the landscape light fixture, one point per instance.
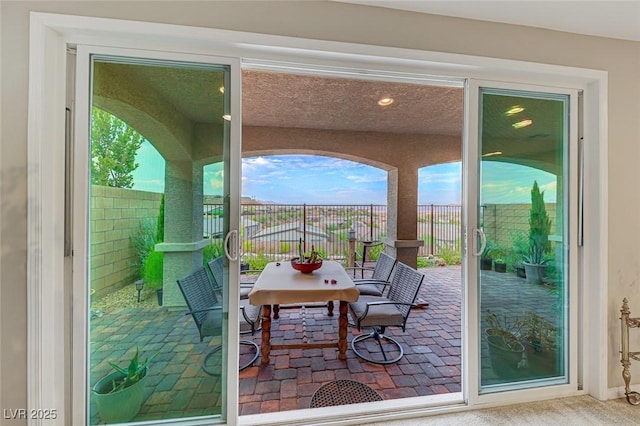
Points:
(139, 285)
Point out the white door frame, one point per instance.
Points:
(472, 221)
(49, 36)
(81, 208)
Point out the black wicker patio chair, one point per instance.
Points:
(376, 285)
(205, 308)
(250, 316)
(216, 267)
(382, 312)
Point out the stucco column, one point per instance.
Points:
(402, 215)
(183, 240)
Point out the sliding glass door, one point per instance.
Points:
(524, 247)
(161, 195)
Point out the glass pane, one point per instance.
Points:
(523, 212)
(159, 144)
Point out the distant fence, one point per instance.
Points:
(275, 229)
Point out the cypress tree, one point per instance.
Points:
(539, 223)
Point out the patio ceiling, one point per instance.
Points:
(279, 100)
(313, 102)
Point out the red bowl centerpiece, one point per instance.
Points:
(305, 268)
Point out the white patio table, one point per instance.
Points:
(279, 284)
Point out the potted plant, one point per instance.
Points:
(518, 268)
(540, 338)
(486, 258)
(500, 265)
(535, 260)
(119, 395)
(506, 352)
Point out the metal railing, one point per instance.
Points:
(274, 230)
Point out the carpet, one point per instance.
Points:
(581, 410)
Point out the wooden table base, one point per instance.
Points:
(266, 346)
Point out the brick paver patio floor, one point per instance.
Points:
(177, 386)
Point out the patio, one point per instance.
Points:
(178, 387)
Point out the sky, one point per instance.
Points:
(297, 179)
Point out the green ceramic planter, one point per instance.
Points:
(120, 406)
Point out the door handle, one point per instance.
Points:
(478, 232)
(233, 237)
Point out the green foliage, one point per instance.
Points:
(132, 374)
(247, 246)
(143, 240)
(425, 262)
(152, 271)
(285, 247)
(113, 150)
(489, 248)
(375, 251)
(539, 228)
(518, 249)
(212, 251)
(160, 231)
(451, 256)
(257, 262)
(322, 252)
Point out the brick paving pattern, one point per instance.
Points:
(177, 386)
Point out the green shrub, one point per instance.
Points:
(143, 241)
(374, 252)
(425, 262)
(212, 251)
(257, 262)
(451, 256)
(152, 272)
(247, 246)
(284, 247)
(160, 225)
(322, 252)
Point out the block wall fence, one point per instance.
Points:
(116, 214)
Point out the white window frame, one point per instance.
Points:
(49, 36)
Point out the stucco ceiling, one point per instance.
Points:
(313, 102)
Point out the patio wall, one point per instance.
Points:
(116, 213)
(503, 221)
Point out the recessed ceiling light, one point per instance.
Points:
(226, 117)
(514, 110)
(523, 123)
(221, 89)
(491, 154)
(385, 101)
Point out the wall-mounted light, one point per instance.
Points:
(522, 123)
